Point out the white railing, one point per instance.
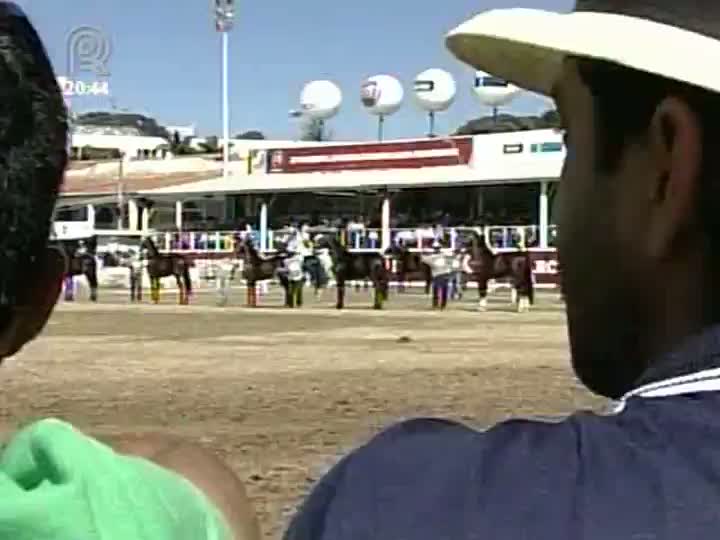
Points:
(499, 237)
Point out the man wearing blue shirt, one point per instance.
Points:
(637, 85)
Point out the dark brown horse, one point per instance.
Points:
(410, 267)
(349, 266)
(517, 266)
(257, 268)
(160, 265)
(80, 262)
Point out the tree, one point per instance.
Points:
(252, 135)
(140, 123)
(91, 153)
(211, 145)
(312, 129)
(504, 123)
(551, 118)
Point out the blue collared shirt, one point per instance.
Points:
(651, 471)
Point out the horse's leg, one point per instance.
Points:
(317, 279)
(93, 283)
(299, 297)
(252, 294)
(181, 290)
(482, 282)
(340, 286)
(514, 295)
(377, 292)
(132, 286)
(290, 295)
(383, 288)
(155, 289)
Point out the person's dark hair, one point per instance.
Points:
(33, 151)
(624, 102)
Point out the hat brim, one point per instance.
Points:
(527, 47)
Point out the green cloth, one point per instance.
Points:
(58, 484)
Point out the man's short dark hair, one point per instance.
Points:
(33, 151)
(624, 101)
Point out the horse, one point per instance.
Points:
(410, 267)
(257, 268)
(80, 262)
(160, 265)
(349, 266)
(517, 266)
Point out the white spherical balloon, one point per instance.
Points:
(493, 91)
(320, 99)
(382, 95)
(435, 90)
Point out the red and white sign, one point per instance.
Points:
(546, 269)
(391, 155)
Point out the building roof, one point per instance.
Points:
(87, 185)
(516, 157)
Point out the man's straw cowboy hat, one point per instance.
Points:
(677, 39)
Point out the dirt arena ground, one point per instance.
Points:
(280, 393)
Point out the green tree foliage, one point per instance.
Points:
(143, 124)
(504, 123)
(312, 129)
(252, 135)
(211, 145)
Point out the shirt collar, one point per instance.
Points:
(692, 367)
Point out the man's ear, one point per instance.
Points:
(35, 303)
(676, 153)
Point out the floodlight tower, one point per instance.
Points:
(224, 12)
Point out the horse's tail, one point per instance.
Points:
(187, 279)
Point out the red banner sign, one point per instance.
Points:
(390, 155)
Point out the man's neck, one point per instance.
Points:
(686, 333)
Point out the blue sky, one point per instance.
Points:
(166, 57)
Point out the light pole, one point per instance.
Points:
(224, 11)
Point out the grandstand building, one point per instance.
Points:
(502, 181)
